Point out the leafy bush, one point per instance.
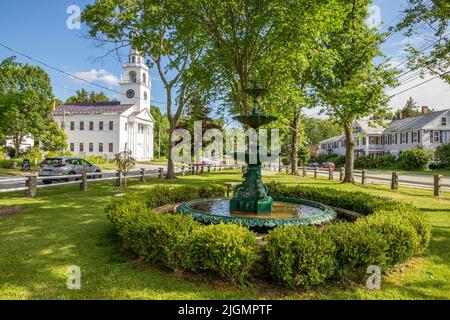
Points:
(415, 159)
(442, 153)
(357, 247)
(177, 241)
(227, 250)
(401, 238)
(364, 162)
(386, 161)
(391, 233)
(300, 256)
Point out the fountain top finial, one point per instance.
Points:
(256, 93)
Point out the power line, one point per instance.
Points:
(419, 84)
(72, 75)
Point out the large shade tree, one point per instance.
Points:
(351, 85)
(25, 101)
(154, 28)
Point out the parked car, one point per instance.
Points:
(65, 166)
(313, 164)
(327, 165)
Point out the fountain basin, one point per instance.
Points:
(286, 211)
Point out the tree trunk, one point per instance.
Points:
(349, 153)
(17, 141)
(294, 143)
(170, 165)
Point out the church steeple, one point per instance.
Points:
(135, 84)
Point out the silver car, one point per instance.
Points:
(65, 166)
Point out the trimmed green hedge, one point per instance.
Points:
(177, 241)
(391, 232)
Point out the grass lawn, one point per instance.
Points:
(64, 226)
(156, 162)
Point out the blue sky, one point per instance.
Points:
(38, 28)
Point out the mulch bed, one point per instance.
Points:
(9, 211)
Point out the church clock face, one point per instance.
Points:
(130, 94)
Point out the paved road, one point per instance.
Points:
(404, 179)
(412, 180)
(11, 182)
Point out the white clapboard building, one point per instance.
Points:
(105, 129)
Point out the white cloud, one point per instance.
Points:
(97, 75)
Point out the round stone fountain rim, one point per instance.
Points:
(326, 215)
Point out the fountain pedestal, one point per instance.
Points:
(251, 196)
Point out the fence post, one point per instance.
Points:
(437, 185)
(330, 173)
(304, 171)
(215, 168)
(341, 174)
(287, 169)
(394, 182)
(316, 170)
(202, 169)
(209, 168)
(119, 180)
(161, 173)
(192, 167)
(142, 175)
(31, 184)
(363, 177)
(84, 182)
(183, 171)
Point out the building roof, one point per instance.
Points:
(415, 122)
(333, 139)
(369, 127)
(91, 108)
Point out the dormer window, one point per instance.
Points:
(444, 121)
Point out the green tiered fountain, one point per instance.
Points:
(251, 195)
(251, 205)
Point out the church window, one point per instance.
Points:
(100, 147)
(72, 125)
(132, 76)
(144, 77)
(133, 59)
(81, 125)
(81, 146)
(91, 125)
(111, 147)
(111, 125)
(91, 147)
(100, 126)
(72, 147)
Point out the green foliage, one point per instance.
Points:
(391, 233)
(357, 247)
(300, 256)
(227, 250)
(317, 129)
(54, 139)
(415, 159)
(386, 161)
(25, 101)
(84, 96)
(442, 153)
(409, 110)
(364, 162)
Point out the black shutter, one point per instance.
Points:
(418, 136)
(431, 136)
(441, 136)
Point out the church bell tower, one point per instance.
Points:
(135, 82)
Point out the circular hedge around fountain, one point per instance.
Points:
(389, 233)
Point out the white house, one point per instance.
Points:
(428, 130)
(106, 128)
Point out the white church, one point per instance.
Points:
(105, 129)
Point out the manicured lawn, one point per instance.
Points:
(64, 226)
(156, 162)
